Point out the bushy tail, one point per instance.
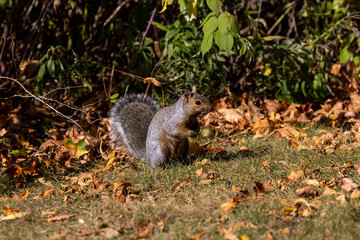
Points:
(130, 118)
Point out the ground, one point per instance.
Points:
(240, 187)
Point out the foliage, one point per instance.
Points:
(55, 70)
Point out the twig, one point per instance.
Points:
(290, 6)
(48, 105)
(257, 20)
(66, 88)
(115, 12)
(128, 74)
(147, 28)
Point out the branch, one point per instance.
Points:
(48, 105)
(147, 28)
(114, 13)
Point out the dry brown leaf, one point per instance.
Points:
(153, 81)
(48, 213)
(21, 196)
(144, 228)
(273, 106)
(355, 102)
(295, 176)
(198, 236)
(14, 216)
(335, 69)
(328, 191)
(220, 104)
(199, 172)
(263, 187)
(268, 236)
(342, 199)
(355, 194)
(306, 192)
(264, 126)
(45, 193)
(232, 115)
(6, 210)
(229, 205)
(60, 218)
(196, 148)
(347, 184)
(161, 225)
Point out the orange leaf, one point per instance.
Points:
(21, 196)
(45, 193)
(295, 176)
(153, 81)
(6, 210)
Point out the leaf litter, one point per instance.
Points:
(67, 153)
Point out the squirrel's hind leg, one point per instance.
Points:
(158, 155)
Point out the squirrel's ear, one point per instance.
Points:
(187, 96)
(193, 89)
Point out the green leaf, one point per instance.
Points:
(345, 55)
(79, 147)
(356, 60)
(243, 47)
(73, 5)
(114, 96)
(206, 43)
(213, 6)
(170, 50)
(160, 26)
(223, 22)
(218, 36)
(227, 42)
(41, 74)
(210, 26)
(207, 18)
(51, 67)
(171, 33)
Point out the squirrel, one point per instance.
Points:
(158, 135)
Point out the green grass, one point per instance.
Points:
(195, 207)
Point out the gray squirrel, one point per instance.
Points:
(159, 136)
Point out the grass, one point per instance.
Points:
(180, 210)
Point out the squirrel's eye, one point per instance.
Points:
(198, 102)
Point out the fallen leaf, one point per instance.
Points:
(199, 172)
(229, 205)
(198, 236)
(48, 213)
(341, 199)
(264, 126)
(60, 218)
(355, 194)
(313, 182)
(328, 191)
(14, 216)
(144, 228)
(161, 225)
(263, 187)
(196, 148)
(347, 184)
(306, 192)
(45, 193)
(21, 196)
(295, 176)
(6, 210)
(273, 106)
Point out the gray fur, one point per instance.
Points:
(131, 129)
